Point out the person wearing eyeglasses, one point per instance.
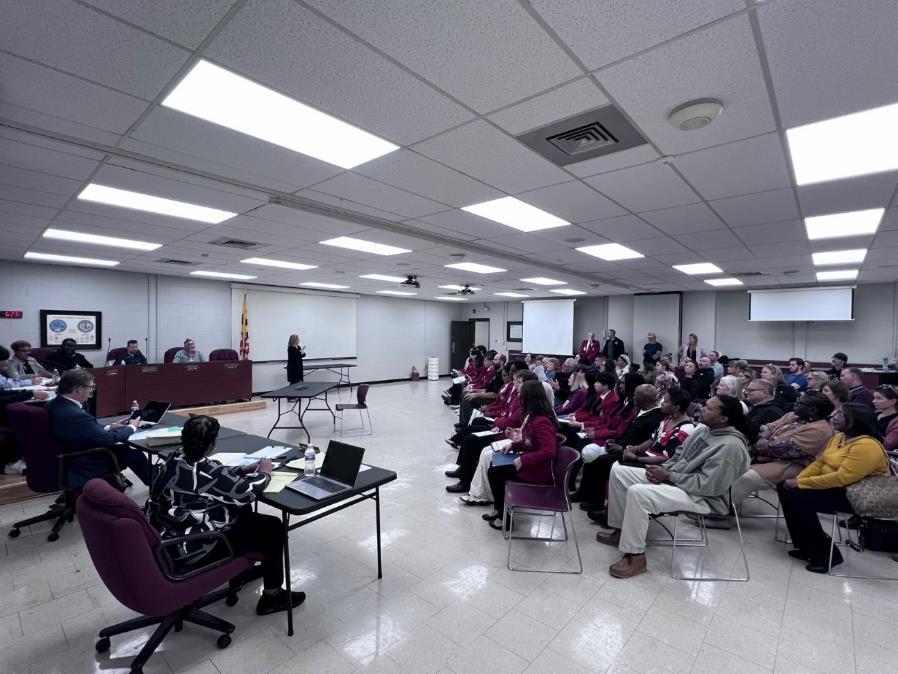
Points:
(885, 399)
(189, 354)
(23, 366)
(764, 407)
(76, 430)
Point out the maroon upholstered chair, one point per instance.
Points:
(40, 354)
(223, 354)
(115, 355)
(538, 499)
(132, 560)
(169, 356)
(360, 405)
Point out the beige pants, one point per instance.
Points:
(632, 498)
(747, 483)
(480, 485)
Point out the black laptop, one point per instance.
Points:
(152, 413)
(338, 472)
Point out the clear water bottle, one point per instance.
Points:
(135, 409)
(309, 468)
(885, 362)
(55, 376)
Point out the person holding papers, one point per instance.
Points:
(534, 444)
(193, 493)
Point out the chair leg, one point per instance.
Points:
(508, 515)
(704, 536)
(198, 617)
(130, 625)
(153, 642)
(370, 427)
(836, 529)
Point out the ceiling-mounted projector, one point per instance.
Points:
(410, 281)
(466, 290)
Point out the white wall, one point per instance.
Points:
(393, 335)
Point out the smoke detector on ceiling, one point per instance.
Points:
(695, 114)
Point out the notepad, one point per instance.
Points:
(279, 481)
(158, 436)
(300, 463)
(500, 445)
(483, 434)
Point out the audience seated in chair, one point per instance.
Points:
(885, 399)
(189, 354)
(857, 392)
(23, 365)
(764, 407)
(66, 357)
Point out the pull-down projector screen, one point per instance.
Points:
(549, 327)
(802, 304)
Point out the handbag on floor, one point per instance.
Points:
(879, 535)
(876, 495)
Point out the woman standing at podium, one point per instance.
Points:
(295, 352)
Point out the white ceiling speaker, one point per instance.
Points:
(695, 114)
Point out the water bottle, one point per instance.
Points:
(135, 409)
(55, 376)
(885, 363)
(309, 469)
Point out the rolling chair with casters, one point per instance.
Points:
(360, 404)
(134, 564)
(228, 355)
(169, 355)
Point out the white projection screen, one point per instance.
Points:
(549, 327)
(802, 304)
(326, 324)
(660, 314)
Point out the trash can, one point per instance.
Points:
(433, 369)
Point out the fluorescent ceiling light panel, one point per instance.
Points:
(450, 299)
(840, 275)
(400, 293)
(384, 277)
(515, 213)
(80, 237)
(50, 257)
(854, 256)
(298, 266)
(113, 196)
(543, 281)
(222, 274)
(567, 291)
(328, 286)
(475, 267)
(222, 97)
(364, 246)
(456, 287)
(611, 252)
(842, 147)
(510, 295)
(852, 223)
(698, 268)
(723, 282)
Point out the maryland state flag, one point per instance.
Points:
(244, 332)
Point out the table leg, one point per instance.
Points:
(271, 430)
(288, 581)
(377, 517)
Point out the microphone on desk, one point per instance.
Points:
(108, 349)
(146, 346)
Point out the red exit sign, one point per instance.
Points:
(10, 314)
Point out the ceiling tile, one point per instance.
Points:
(27, 156)
(78, 40)
(775, 232)
(754, 209)
(19, 177)
(471, 225)
(372, 193)
(829, 57)
(684, 219)
(552, 106)
(612, 162)
(306, 219)
(622, 28)
(718, 238)
(622, 229)
(349, 205)
(290, 49)
(645, 188)
(836, 196)
(743, 167)
(572, 201)
(711, 63)
(418, 174)
(494, 54)
(658, 246)
(32, 197)
(507, 164)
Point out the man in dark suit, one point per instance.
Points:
(66, 357)
(76, 430)
(613, 346)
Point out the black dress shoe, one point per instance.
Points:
(822, 566)
(452, 443)
(585, 505)
(453, 473)
(458, 488)
(798, 554)
(599, 516)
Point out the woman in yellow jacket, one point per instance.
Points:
(852, 454)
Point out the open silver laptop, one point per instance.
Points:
(338, 472)
(152, 413)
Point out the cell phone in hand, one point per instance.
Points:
(134, 415)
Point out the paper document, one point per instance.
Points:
(279, 481)
(300, 463)
(500, 445)
(483, 434)
(459, 380)
(229, 458)
(270, 452)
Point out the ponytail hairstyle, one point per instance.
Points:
(732, 409)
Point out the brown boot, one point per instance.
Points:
(611, 538)
(628, 566)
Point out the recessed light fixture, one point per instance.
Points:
(51, 257)
(510, 295)
(852, 223)
(611, 252)
(456, 287)
(81, 237)
(543, 281)
(515, 213)
(113, 196)
(328, 286)
(854, 256)
(475, 267)
(222, 97)
(723, 282)
(298, 266)
(447, 298)
(221, 274)
(384, 277)
(698, 268)
(364, 246)
(400, 293)
(842, 147)
(567, 291)
(840, 275)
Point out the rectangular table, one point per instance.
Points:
(168, 420)
(335, 368)
(308, 391)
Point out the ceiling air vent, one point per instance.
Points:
(235, 243)
(590, 134)
(169, 260)
(747, 274)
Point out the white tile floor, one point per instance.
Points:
(446, 602)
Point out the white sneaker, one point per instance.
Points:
(15, 468)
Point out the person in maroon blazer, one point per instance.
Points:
(589, 347)
(536, 443)
(603, 410)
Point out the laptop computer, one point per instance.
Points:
(152, 413)
(338, 472)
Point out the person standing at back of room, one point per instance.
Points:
(295, 353)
